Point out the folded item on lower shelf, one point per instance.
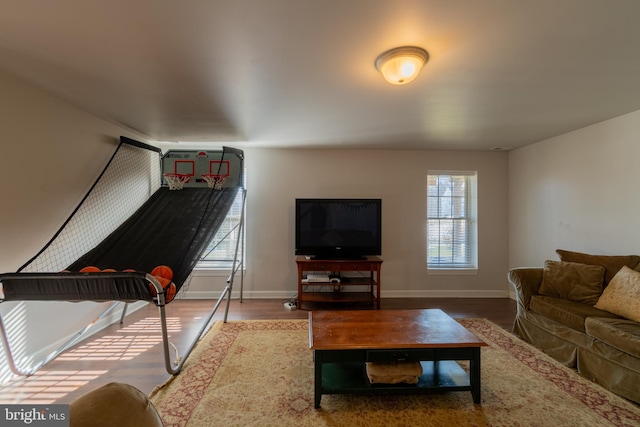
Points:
(393, 372)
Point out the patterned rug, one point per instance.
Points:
(260, 373)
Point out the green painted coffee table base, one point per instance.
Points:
(344, 372)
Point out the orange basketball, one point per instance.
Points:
(163, 281)
(109, 270)
(170, 292)
(166, 284)
(163, 271)
(90, 269)
(129, 270)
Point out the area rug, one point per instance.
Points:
(260, 373)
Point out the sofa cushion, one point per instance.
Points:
(572, 281)
(622, 296)
(569, 313)
(611, 263)
(622, 334)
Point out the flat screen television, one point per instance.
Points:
(338, 228)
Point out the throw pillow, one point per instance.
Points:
(622, 296)
(572, 281)
(611, 263)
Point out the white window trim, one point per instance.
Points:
(472, 219)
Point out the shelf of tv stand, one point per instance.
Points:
(323, 292)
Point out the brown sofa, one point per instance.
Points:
(584, 311)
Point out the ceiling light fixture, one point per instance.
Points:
(401, 65)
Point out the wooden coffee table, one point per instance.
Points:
(342, 341)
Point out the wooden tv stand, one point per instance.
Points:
(359, 280)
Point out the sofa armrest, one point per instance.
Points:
(526, 281)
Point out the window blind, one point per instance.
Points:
(452, 220)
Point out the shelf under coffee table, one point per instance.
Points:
(343, 341)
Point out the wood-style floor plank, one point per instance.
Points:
(132, 353)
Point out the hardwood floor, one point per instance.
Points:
(132, 352)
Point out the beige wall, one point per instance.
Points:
(275, 177)
(51, 154)
(577, 191)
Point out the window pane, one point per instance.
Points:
(458, 184)
(432, 207)
(451, 241)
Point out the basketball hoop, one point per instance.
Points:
(214, 180)
(176, 180)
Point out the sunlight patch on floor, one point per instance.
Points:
(45, 387)
(126, 345)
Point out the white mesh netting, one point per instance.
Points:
(131, 177)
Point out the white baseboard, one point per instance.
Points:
(444, 294)
(388, 294)
(236, 295)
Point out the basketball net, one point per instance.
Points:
(176, 181)
(214, 181)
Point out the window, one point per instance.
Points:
(451, 220)
(219, 253)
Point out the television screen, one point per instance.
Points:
(338, 228)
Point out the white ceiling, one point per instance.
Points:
(280, 73)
